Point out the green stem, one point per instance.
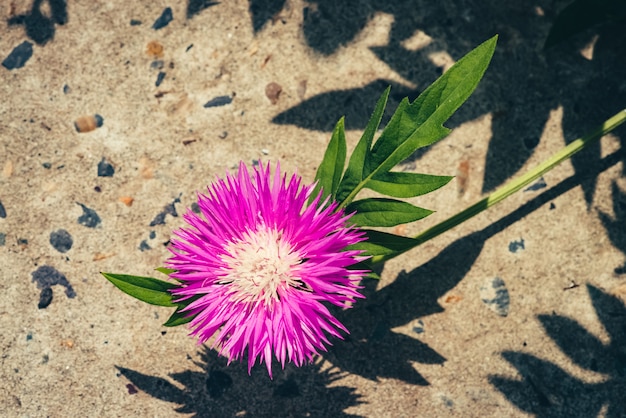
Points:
(515, 185)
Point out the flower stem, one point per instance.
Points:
(515, 185)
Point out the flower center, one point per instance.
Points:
(259, 265)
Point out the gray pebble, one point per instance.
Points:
(61, 240)
(18, 57)
(89, 218)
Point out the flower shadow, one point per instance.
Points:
(546, 390)
(216, 389)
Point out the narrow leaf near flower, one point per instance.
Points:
(262, 264)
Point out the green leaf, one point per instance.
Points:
(384, 212)
(165, 270)
(178, 318)
(420, 123)
(406, 184)
(381, 243)
(354, 173)
(330, 170)
(146, 289)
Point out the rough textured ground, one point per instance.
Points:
(423, 343)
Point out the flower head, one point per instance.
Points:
(260, 263)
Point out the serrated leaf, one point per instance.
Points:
(418, 124)
(381, 243)
(354, 173)
(330, 170)
(384, 212)
(406, 184)
(146, 289)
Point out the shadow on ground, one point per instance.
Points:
(218, 390)
(522, 86)
(414, 295)
(546, 390)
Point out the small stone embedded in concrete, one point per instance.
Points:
(168, 209)
(88, 123)
(152, 234)
(272, 92)
(105, 169)
(157, 64)
(45, 298)
(143, 246)
(45, 277)
(419, 328)
(515, 246)
(163, 20)
(552, 206)
(131, 389)
(195, 208)
(135, 22)
(3, 212)
(47, 166)
(218, 101)
(3, 238)
(61, 240)
(18, 57)
(538, 185)
(89, 218)
(160, 78)
(495, 295)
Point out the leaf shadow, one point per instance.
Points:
(616, 225)
(214, 388)
(413, 295)
(546, 390)
(520, 90)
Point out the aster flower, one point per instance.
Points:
(261, 264)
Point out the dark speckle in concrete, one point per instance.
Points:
(495, 295)
(105, 169)
(46, 277)
(143, 246)
(160, 78)
(45, 298)
(3, 212)
(47, 166)
(61, 240)
(163, 20)
(135, 22)
(152, 234)
(3, 238)
(515, 246)
(18, 57)
(168, 209)
(218, 101)
(89, 218)
(196, 6)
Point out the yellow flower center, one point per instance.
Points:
(259, 265)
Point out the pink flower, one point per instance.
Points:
(261, 264)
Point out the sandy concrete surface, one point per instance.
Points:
(114, 113)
